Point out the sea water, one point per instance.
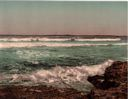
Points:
(59, 63)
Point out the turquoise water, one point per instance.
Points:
(20, 59)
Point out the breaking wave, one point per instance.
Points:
(30, 44)
(58, 39)
(61, 76)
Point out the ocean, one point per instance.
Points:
(58, 63)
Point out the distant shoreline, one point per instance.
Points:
(66, 36)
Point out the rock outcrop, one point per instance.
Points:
(112, 85)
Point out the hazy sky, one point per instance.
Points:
(41, 17)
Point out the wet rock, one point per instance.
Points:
(111, 85)
(117, 72)
(39, 92)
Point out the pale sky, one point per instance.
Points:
(42, 17)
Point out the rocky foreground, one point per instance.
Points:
(111, 85)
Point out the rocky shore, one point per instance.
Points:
(111, 85)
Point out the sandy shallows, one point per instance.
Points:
(30, 44)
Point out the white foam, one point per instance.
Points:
(30, 44)
(57, 39)
(65, 75)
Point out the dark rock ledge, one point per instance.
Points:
(111, 85)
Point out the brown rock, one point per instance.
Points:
(112, 85)
(39, 92)
(116, 72)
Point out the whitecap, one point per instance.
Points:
(63, 76)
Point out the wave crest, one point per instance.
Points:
(74, 77)
(63, 76)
